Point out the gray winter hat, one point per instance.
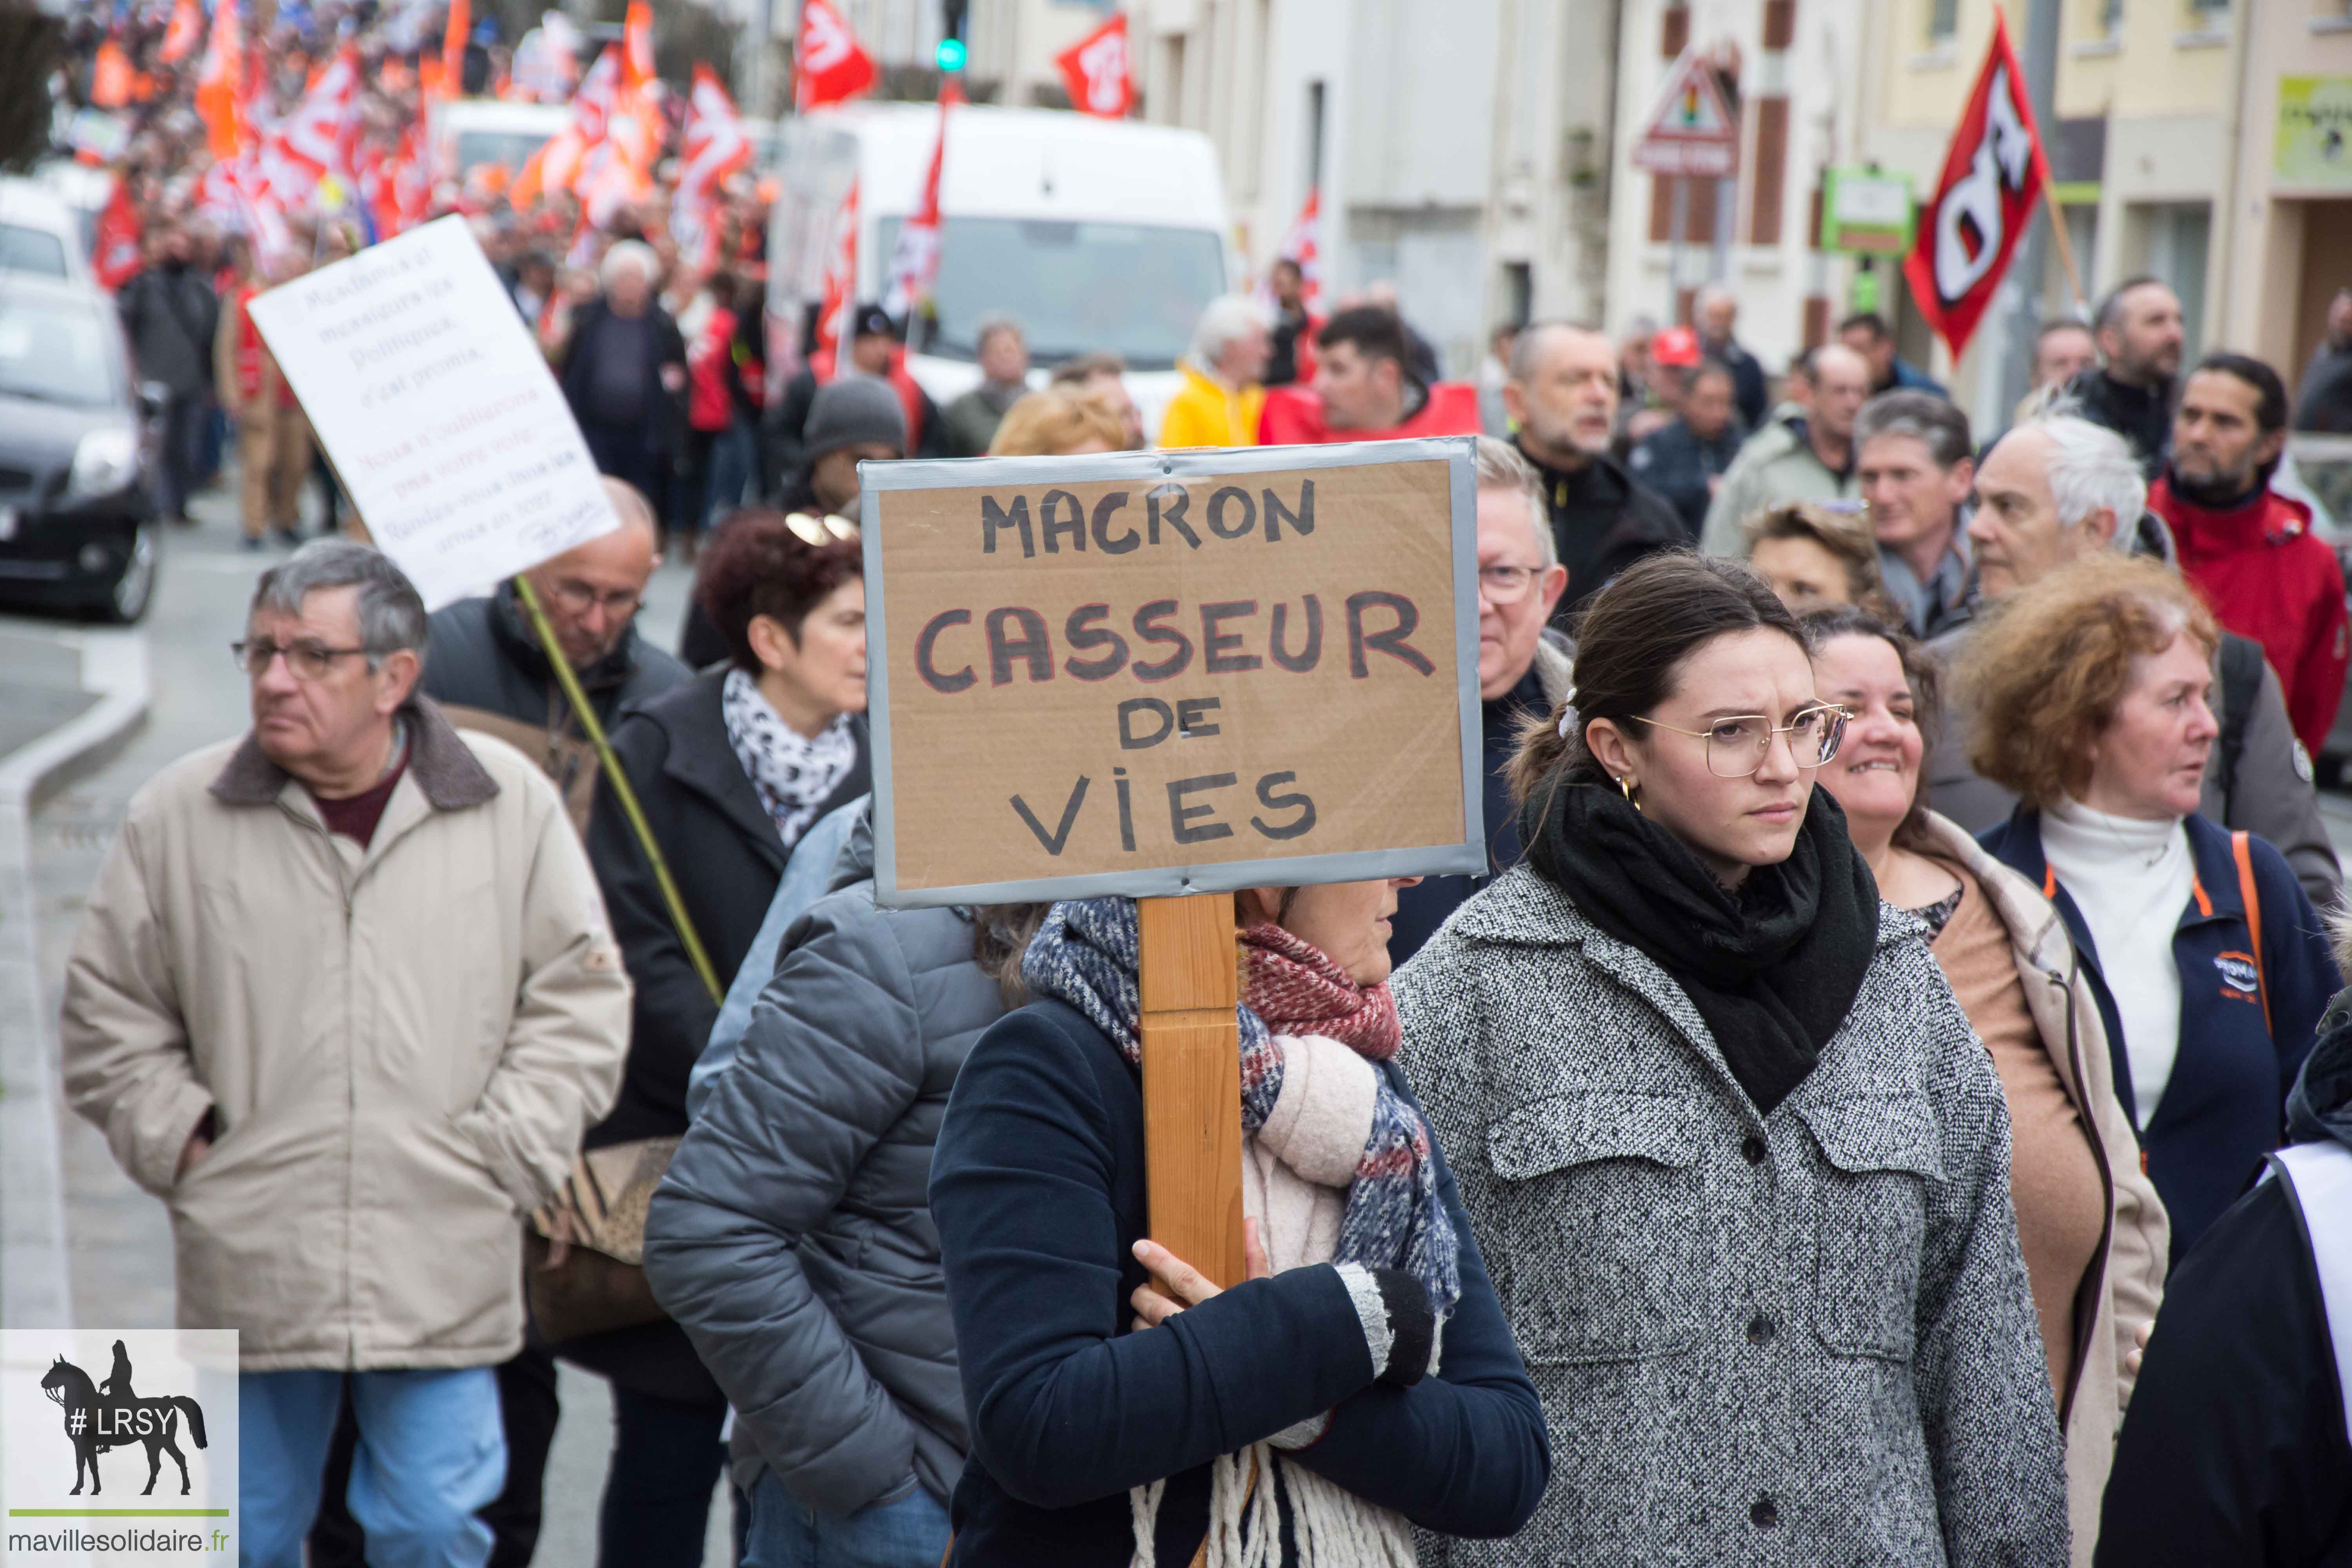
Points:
(850, 409)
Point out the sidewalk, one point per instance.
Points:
(68, 697)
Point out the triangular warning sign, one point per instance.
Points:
(1692, 129)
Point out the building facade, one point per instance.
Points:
(1459, 151)
(1792, 70)
(2200, 141)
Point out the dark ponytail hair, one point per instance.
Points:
(1629, 642)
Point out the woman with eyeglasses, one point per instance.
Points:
(730, 769)
(2089, 1220)
(1735, 1158)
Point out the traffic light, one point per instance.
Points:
(952, 16)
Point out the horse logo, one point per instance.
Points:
(115, 1417)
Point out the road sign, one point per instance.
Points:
(1693, 130)
(1866, 212)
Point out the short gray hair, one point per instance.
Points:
(1528, 350)
(1927, 418)
(1500, 468)
(634, 253)
(391, 612)
(990, 325)
(2091, 469)
(1222, 321)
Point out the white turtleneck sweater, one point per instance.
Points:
(2131, 878)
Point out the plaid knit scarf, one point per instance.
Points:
(1086, 954)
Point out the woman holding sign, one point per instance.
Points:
(1124, 1409)
(1740, 1164)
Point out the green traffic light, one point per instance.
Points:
(951, 53)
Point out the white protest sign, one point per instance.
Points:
(438, 409)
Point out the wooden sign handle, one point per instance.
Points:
(1193, 1081)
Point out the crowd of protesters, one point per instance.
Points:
(1734, 1169)
(658, 332)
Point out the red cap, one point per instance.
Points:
(1676, 347)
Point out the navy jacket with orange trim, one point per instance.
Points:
(2245, 1025)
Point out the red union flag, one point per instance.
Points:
(1095, 70)
(829, 357)
(1994, 174)
(830, 65)
(915, 260)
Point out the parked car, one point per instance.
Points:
(40, 232)
(78, 525)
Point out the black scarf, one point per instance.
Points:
(1772, 969)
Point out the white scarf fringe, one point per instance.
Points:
(1331, 1528)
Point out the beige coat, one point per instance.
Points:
(400, 1047)
(2126, 1282)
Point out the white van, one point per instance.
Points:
(1094, 236)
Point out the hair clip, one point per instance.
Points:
(1567, 715)
(821, 532)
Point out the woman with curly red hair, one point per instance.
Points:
(2088, 694)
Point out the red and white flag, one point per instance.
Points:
(557, 162)
(716, 147)
(1095, 70)
(830, 65)
(116, 250)
(1993, 176)
(915, 260)
(316, 139)
(830, 355)
(715, 143)
(1303, 245)
(187, 31)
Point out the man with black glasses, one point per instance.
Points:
(1523, 669)
(485, 665)
(345, 999)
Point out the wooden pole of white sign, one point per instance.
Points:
(1193, 1081)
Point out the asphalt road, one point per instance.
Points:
(119, 1240)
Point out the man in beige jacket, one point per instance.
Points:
(345, 999)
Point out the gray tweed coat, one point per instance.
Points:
(1801, 1339)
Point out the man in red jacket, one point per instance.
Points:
(1362, 391)
(2249, 550)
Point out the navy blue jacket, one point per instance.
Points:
(2224, 1106)
(1037, 1190)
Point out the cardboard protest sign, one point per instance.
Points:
(1155, 673)
(437, 410)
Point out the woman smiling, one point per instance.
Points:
(2089, 1220)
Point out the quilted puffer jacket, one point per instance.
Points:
(793, 1236)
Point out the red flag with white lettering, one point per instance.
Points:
(830, 354)
(915, 262)
(1095, 70)
(831, 66)
(1993, 176)
(185, 32)
(116, 252)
